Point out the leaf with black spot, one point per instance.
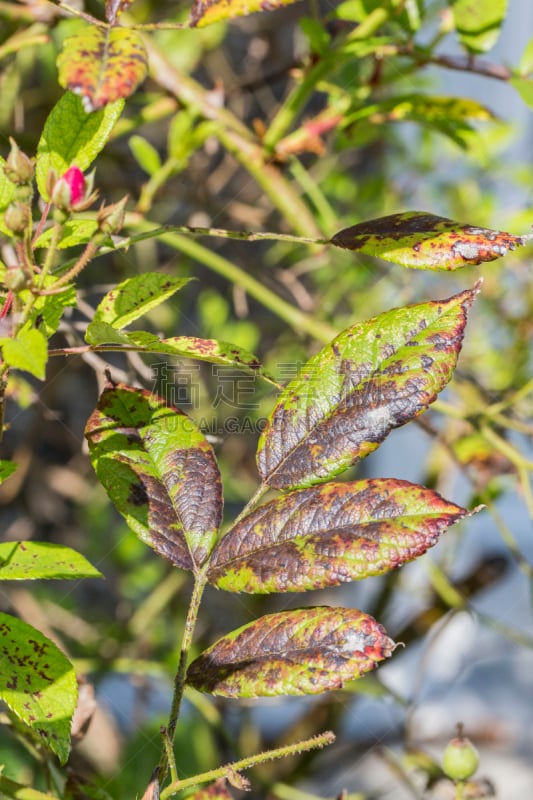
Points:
(326, 535)
(373, 377)
(160, 472)
(424, 241)
(303, 651)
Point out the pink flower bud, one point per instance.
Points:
(75, 180)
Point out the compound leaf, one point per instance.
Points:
(72, 136)
(373, 377)
(303, 651)
(160, 472)
(424, 241)
(21, 561)
(102, 65)
(38, 683)
(327, 535)
(206, 12)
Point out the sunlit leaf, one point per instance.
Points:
(7, 193)
(134, 297)
(425, 241)
(38, 683)
(22, 561)
(524, 87)
(102, 65)
(206, 12)
(72, 136)
(478, 24)
(160, 472)
(327, 535)
(7, 468)
(373, 377)
(303, 651)
(27, 351)
(74, 232)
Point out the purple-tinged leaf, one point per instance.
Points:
(373, 377)
(327, 535)
(303, 651)
(424, 241)
(160, 472)
(214, 791)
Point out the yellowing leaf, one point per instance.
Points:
(206, 12)
(102, 65)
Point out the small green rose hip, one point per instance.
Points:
(460, 759)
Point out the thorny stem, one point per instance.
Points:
(223, 233)
(315, 742)
(88, 254)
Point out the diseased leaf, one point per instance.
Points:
(27, 351)
(134, 297)
(22, 561)
(373, 377)
(160, 472)
(327, 535)
(303, 651)
(72, 136)
(206, 12)
(102, 65)
(478, 24)
(424, 241)
(38, 683)
(210, 350)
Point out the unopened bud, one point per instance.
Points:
(19, 167)
(110, 219)
(15, 279)
(17, 218)
(61, 195)
(460, 759)
(75, 180)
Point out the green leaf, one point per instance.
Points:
(303, 651)
(145, 154)
(327, 535)
(99, 333)
(22, 561)
(7, 188)
(478, 24)
(134, 297)
(424, 241)
(524, 87)
(206, 12)
(319, 38)
(102, 65)
(160, 472)
(38, 683)
(27, 351)
(373, 377)
(7, 468)
(72, 136)
(48, 310)
(75, 232)
(525, 67)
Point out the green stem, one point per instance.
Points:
(459, 790)
(297, 319)
(179, 680)
(315, 742)
(88, 254)
(224, 233)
